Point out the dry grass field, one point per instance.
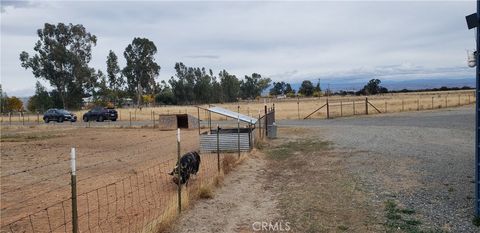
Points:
(292, 108)
(122, 175)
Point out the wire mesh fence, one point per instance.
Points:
(333, 108)
(143, 201)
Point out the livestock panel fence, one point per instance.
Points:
(145, 200)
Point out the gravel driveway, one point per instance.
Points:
(423, 160)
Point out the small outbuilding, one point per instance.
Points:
(229, 139)
(175, 121)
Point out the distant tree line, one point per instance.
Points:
(63, 52)
(62, 56)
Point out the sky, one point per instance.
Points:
(338, 41)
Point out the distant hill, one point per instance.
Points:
(337, 85)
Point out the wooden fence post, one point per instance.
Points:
(432, 102)
(328, 110)
(130, 119)
(74, 191)
(418, 104)
(353, 107)
(403, 105)
(341, 108)
(366, 105)
(386, 106)
(446, 101)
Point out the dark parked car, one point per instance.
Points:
(58, 115)
(100, 114)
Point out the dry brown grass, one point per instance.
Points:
(205, 192)
(228, 163)
(292, 108)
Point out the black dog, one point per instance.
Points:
(189, 164)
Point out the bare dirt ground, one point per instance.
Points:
(35, 161)
(297, 183)
(242, 201)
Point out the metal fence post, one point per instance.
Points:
(198, 119)
(266, 121)
(385, 106)
(153, 119)
(260, 125)
(10, 118)
(179, 187)
(432, 102)
(298, 107)
(23, 118)
(238, 131)
(74, 192)
(218, 148)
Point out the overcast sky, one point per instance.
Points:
(286, 41)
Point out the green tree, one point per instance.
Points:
(373, 87)
(3, 100)
(317, 88)
(279, 88)
(62, 56)
(141, 68)
(165, 96)
(14, 104)
(306, 88)
(253, 86)
(289, 90)
(41, 101)
(203, 86)
(183, 84)
(230, 86)
(115, 78)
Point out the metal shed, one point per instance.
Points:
(229, 139)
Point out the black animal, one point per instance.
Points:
(189, 165)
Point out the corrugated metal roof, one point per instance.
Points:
(232, 114)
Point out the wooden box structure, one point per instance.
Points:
(175, 121)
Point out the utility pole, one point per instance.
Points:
(473, 21)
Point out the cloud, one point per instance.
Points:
(287, 41)
(203, 56)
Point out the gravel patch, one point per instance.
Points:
(423, 160)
